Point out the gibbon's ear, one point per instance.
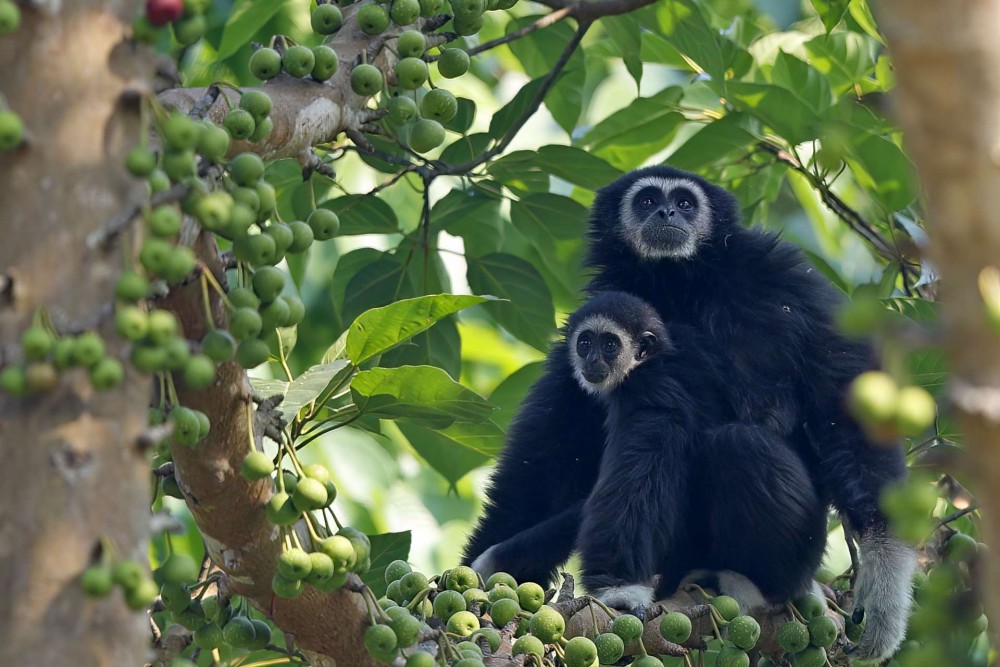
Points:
(647, 341)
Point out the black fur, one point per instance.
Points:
(681, 487)
(764, 315)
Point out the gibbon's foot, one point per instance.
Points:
(883, 596)
(485, 564)
(635, 599)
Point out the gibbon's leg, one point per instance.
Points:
(855, 472)
(767, 523)
(634, 517)
(548, 464)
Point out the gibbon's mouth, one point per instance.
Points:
(595, 377)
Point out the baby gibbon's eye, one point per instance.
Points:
(583, 344)
(610, 346)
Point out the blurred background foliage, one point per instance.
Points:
(783, 102)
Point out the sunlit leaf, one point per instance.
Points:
(246, 17)
(381, 329)
(362, 214)
(423, 394)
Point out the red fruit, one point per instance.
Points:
(162, 12)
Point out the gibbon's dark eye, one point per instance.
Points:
(583, 343)
(684, 204)
(609, 346)
(646, 202)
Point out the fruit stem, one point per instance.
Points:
(418, 598)
(253, 443)
(313, 534)
(715, 626)
(795, 612)
(209, 320)
(283, 359)
(172, 390)
(334, 517)
(217, 287)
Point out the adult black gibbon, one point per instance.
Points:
(765, 316)
(681, 488)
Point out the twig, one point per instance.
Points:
(958, 514)
(542, 22)
(536, 102)
(591, 10)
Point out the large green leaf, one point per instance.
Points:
(377, 284)
(881, 166)
(246, 17)
(363, 214)
(423, 394)
(576, 166)
(626, 33)
(846, 58)
(503, 119)
(528, 312)
(456, 450)
(386, 548)
(629, 136)
(714, 142)
(546, 218)
(830, 11)
(778, 108)
(802, 80)
(538, 53)
(465, 148)
(474, 215)
(509, 393)
(381, 329)
(440, 346)
(688, 30)
(520, 172)
(303, 389)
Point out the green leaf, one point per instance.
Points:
(303, 389)
(456, 450)
(546, 218)
(474, 215)
(440, 346)
(363, 214)
(386, 548)
(423, 394)
(714, 142)
(576, 166)
(846, 58)
(626, 32)
(806, 83)
(464, 118)
(777, 108)
(381, 329)
(828, 271)
(830, 11)
(538, 53)
(520, 172)
(629, 136)
(509, 393)
(688, 30)
(528, 313)
(245, 18)
(881, 166)
(862, 14)
(504, 119)
(465, 148)
(377, 284)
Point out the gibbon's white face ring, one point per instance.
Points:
(598, 324)
(646, 235)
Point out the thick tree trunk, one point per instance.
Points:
(72, 471)
(947, 56)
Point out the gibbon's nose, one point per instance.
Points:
(664, 213)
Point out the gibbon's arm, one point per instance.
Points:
(549, 463)
(632, 520)
(536, 551)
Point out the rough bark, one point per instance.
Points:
(72, 472)
(946, 57)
